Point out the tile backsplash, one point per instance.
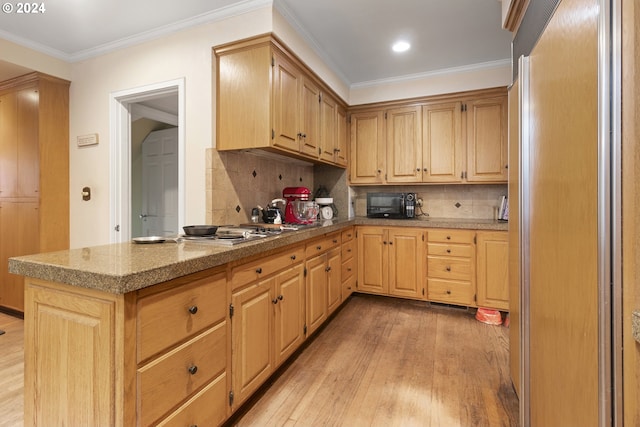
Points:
(476, 201)
(238, 181)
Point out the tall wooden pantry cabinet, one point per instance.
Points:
(34, 174)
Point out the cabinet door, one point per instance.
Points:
(316, 292)
(368, 157)
(328, 128)
(404, 145)
(287, 84)
(493, 270)
(19, 228)
(487, 140)
(28, 158)
(373, 267)
(310, 119)
(342, 137)
(8, 144)
(252, 338)
(406, 262)
(443, 149)
(289, 318)
(334, 279)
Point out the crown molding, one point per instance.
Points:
(205, 18)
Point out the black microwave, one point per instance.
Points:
(391, 205)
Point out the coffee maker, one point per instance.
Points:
(293, 195)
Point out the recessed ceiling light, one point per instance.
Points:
(401, 46)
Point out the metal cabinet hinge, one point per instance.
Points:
(231, 310)
(385, 116)
(273, 61)
(474, 240)
(305, 272)
(304, 329)
(422, 291)
(273, 134)
(231, 398)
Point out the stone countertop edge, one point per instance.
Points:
(635, 325)
(125, 267)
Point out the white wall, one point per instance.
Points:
(188, 55)
(33, 60)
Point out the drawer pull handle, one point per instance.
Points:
(448, 268)
(293, 257)
(193, 369)
(318, 247)
(259, 270)
(193, 309)
(335, 240)
(448, 251)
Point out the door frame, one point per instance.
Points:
(120, 103)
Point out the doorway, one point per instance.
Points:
(152, 107)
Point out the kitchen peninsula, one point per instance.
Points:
(129, 334)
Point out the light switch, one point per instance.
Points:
(90, 139)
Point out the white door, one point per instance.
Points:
(159, 214)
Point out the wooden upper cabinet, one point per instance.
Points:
(341, 149)
(404, 145)
(267, 98)
(487, 140)
(310, 119)
(287, 86)
(443, 147)
(19, 155)
(328, 128)
(368, 156)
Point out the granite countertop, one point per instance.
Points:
(124, 267)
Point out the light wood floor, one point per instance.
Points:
(11, 371)
(379, 362)
(388, 362)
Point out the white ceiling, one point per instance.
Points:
(353, 36)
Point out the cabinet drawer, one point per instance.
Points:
(450, 236)
(450, 291)
(263, 267)
(348, 268)
(449, 268)
(446, 249)
(173, 377)
(349, 249)
(348, 234)
(168, 317)
(323, 244)
(207, 408)
(348, 287)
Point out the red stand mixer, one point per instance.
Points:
(293, 195)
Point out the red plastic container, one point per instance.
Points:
(488, 316)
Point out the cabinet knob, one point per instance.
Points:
(327, 269)
(448, 268)
(280, 297)
(259, 270)
(193, 309)
(336, 150)
(448, 292)
(448, 251)
(293, 257)
(275, 300)
(391, 243)
(335, 241)
(379, 171)
(424, 170)
(417, 169)
(348, 269)
(193, 369)
(318, 247)
(384, 242)
(448, 237)
(349, 250)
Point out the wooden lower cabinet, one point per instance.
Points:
(493, 269)
(391, 261)
(451, 266)
(324, 287)
(19, 235)
(349, 262)
(143, 358)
